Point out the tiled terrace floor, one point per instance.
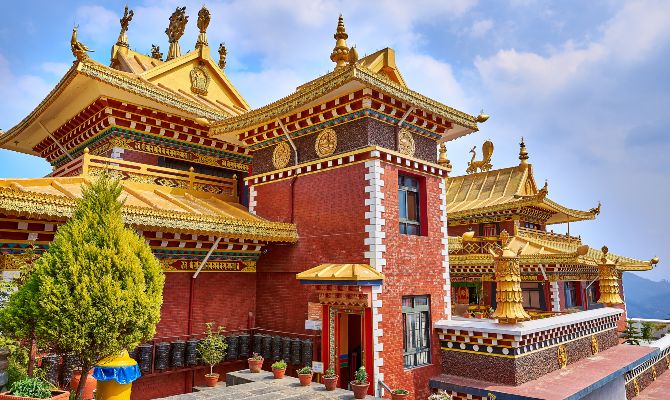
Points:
(262, 386)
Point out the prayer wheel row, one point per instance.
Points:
(292, 350)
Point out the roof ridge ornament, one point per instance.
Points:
(340, 55)
(156, 52)
(204, 17)
(223, 53)
(596, 210)
(484, 164)
(523, 153)
(443, 160)
(175, 31)
(79, 50)
(125, 21)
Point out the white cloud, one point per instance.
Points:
(55, 68)
(97, 23)
(638, 28)
(481, 27)
(21, 93)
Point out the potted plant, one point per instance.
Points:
(34, 388)
(360, 384)
(479, 315)
(278, 369)
(399, 394)
(440, 395)
(305, 375)
(255, 363)
(330, 379)
(212, 350)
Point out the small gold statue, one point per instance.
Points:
(485, 163)
(79, 50)
(156, 52)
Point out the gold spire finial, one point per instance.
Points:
(608, 280)
(443, 160)
(340, 54)
(79, 50)
(523, 153)
(125, 21)
(203, 22)
(223, 53)
(175, 31)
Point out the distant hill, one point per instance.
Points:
(646, 298)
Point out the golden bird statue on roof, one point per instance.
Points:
(79, 50)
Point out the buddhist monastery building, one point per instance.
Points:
(325, 227)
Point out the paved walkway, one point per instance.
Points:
(245, 385)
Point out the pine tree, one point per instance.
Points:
(631, 334)
(97, 290)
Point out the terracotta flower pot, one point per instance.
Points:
(212, 379)
(360, 391)
(399, 396)
(55, 395)
(279, 373)
(255, 365)
(305, 379)
(330, 383)
(89, 387)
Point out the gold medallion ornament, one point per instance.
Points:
(406, 142)
(199, 80)
(326, 142)
(281, 155)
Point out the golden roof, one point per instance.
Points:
(146, 206)
(504, 189)
(539, 247)
(377, 71)
(139, 79)
(340, 272)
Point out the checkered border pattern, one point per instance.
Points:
(496, 344)
(662, 356)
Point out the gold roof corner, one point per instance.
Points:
(341, 274)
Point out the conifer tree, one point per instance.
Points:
(97, 290)
(632, 333)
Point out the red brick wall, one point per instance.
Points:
(413, 267)
(329, 212)
(226, 298)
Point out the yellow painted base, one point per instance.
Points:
(111, 390)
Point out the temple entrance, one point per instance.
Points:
(350, 350)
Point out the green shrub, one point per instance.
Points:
(279, 365)
(96, 290)
(399, 391)
(32, 387)
(256, 357)
(330, 373)
(306, 370)
(361, 376)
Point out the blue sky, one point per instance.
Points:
(586, 83)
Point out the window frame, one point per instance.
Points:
(418, 190)
(417, 351)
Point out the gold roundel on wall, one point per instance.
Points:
(326, 142)
(281, 155)
(406, 142)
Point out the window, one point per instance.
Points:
(489, 230)
(416, 330)
(531, 293)
(571, 294)
(408, 205)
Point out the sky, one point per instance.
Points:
(586, 83)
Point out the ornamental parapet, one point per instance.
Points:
(526, 350)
